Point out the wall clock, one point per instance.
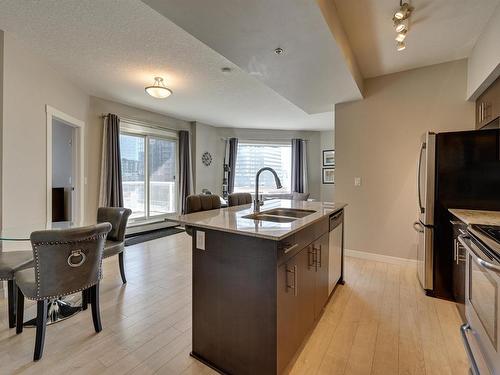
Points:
(206, 158)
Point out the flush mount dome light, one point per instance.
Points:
(158, 89)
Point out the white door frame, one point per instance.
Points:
(78, 162)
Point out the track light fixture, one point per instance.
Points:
(401, 23)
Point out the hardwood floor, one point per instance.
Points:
(378, 323)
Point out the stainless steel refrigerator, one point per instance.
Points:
(455, 170)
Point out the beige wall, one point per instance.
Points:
(378, 139)
(29, 85)
(484, 61)
(327, 142)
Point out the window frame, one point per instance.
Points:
(147, 132)
(285, 143)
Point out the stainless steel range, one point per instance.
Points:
(482, 305)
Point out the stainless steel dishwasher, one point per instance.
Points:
(336, 250)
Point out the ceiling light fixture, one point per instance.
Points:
(403, 12)
(401, 24)
(158, 89)
(401, 36)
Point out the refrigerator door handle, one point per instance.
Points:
(421, 208)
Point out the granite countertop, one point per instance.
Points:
(477, 216)
(231, 219)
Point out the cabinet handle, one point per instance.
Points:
(317, 257)
(294, 286)
(455, 247)
(310, 252)
(288, 249)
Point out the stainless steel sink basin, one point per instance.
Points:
(264, 217)
(280, 215)
(289, 212)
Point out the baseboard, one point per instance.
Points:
(378, 257)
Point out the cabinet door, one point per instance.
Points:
(306, 283)
(320, 249)
(295, 293)
(288, 305)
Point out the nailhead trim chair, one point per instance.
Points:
(10, 262)
(115, 243)
(66, 262)
(237, 199)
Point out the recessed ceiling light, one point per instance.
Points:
(401, 36)
(158, 89)
(400, 46)
(279, 51)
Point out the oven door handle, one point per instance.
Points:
(482, 262)
(463, 331)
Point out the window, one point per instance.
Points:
(149, 164)
(253, 156)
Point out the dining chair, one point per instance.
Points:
(66, 262)
(237, 199)
(10, 262)
(202, 202)
(115, 242)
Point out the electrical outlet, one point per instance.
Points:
(200, 240)
(357, 181)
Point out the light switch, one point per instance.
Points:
(357, 181)
(200, 240)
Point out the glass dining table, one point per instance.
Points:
(18, 238)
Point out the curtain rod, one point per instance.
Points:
(146, 123)
(264, 140)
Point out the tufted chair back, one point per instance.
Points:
(67, 261)
(117, 217)
(202, 202)
(237, 199)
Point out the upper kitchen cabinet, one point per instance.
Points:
(488, 105)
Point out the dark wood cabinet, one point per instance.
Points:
(255, 300)
(320, 251)
(458, 268)
(302, 284)
(488, 105)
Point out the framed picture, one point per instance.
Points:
(328, 158)
(328, 175)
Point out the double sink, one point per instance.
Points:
(280, 215)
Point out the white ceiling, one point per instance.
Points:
(440, 30)
(113, 48)
(312, 72)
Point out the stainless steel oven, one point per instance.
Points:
(481, 333)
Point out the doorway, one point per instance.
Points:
(65, 158)
(63, 175)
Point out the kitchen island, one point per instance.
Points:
(260, 282)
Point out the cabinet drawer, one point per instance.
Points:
(292, 244)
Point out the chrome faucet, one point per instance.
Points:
(257, 202)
